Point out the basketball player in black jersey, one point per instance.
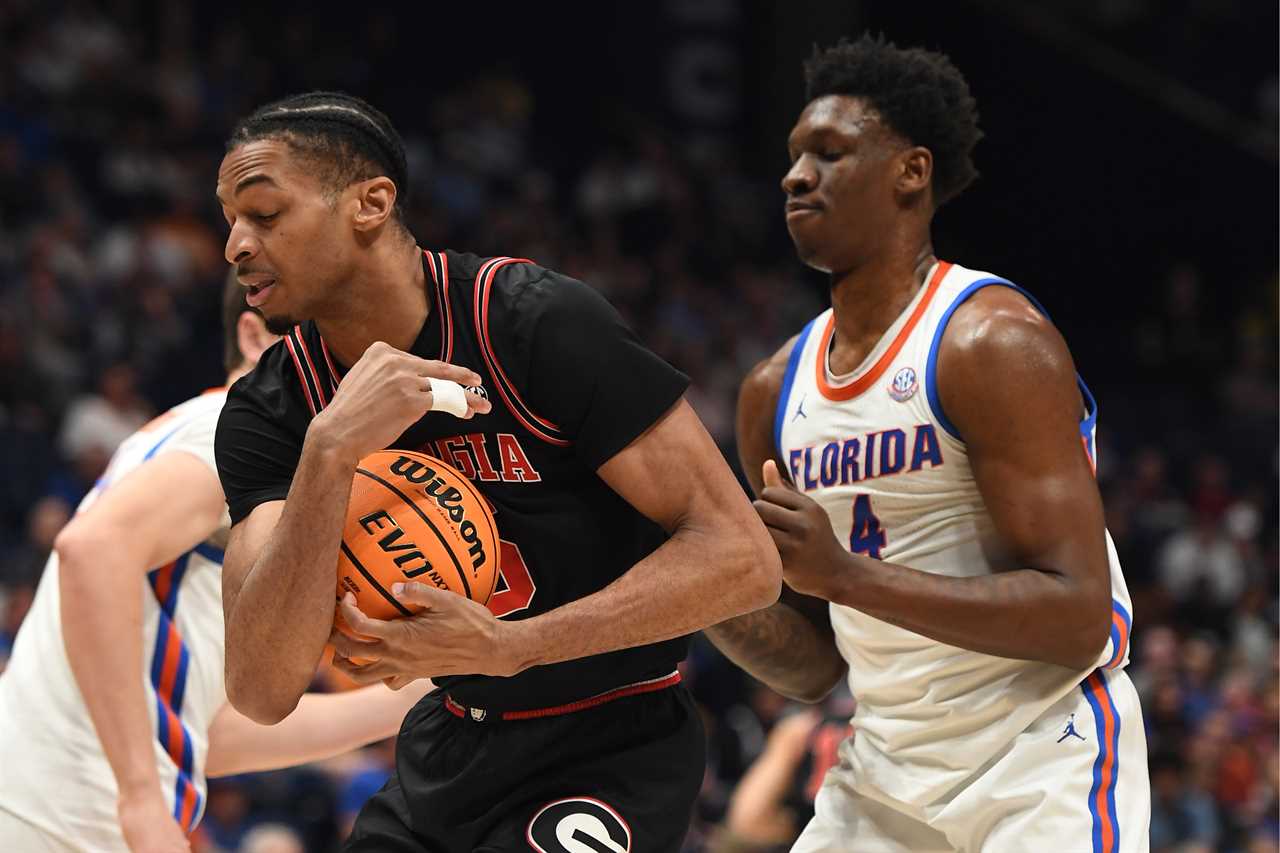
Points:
(622, 528)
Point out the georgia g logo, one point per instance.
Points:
(578, 825)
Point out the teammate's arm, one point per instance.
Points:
(153, 515)
(1007, 382)
(789, 645)
(278, 578)
(322, 726)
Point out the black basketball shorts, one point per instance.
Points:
(619, 777)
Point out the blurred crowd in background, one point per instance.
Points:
(110, 270)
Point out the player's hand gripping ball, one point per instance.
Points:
(413, 518)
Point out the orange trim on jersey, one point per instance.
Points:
(164, 582)
(1108, 762)
(841, 393)
(188, 806)
(1122, 646)
(1093, 466)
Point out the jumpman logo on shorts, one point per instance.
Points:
(1070, 730)
(800, 411)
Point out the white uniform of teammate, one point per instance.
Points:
(54, 774)
(953, 749)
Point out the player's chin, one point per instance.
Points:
(812, 254)
(279, 324)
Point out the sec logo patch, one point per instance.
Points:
(904, 385)
(578, 825)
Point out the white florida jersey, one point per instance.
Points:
(875, 449)
(53, 771)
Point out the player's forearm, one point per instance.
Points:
(102, 634)
(700, 576)
(283, 612)
(1027, 614)
(322, 726)
(783, 648)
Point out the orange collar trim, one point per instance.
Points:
(841, 393)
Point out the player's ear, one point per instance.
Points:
(916, 170)
(252, 336)
(375, 201)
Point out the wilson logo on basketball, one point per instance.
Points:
(448, 498)
(413, 517)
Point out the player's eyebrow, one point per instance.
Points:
(248, 181)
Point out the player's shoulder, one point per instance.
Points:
(521, 292)
(271, 386)
(999, 323)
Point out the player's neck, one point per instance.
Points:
(385, 301)
(868, 299)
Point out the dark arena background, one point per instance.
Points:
(1129, 180)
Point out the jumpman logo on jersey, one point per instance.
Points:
(800, 410)
(1070, 730)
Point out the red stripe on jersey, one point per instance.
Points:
(302, 376)
(513, 400)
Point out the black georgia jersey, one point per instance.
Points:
(571, 386)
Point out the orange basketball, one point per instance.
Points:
(413, 518)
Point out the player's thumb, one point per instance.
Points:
(415, 593)
(772, 477)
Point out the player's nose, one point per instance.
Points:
(800, 178)
(240, 245)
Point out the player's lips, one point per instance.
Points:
(259, 287)
(797, 209)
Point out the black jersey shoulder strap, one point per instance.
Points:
(540, 427)
(313, 389)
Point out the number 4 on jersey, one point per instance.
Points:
(867, 536)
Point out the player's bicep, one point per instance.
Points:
(256, 456)
(152, 515)
(244, 546)
(1008, 384)
(673, 472)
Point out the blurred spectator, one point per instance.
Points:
(271, 838)
(26, 563)
(1183, 819)
(1202, 572)
(97, 423)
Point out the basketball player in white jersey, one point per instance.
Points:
(112, 708)
(922, 452)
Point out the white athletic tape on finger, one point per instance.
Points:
(447, 396)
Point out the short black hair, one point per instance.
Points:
(919, 94)
(233, 305)
(346, 137)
